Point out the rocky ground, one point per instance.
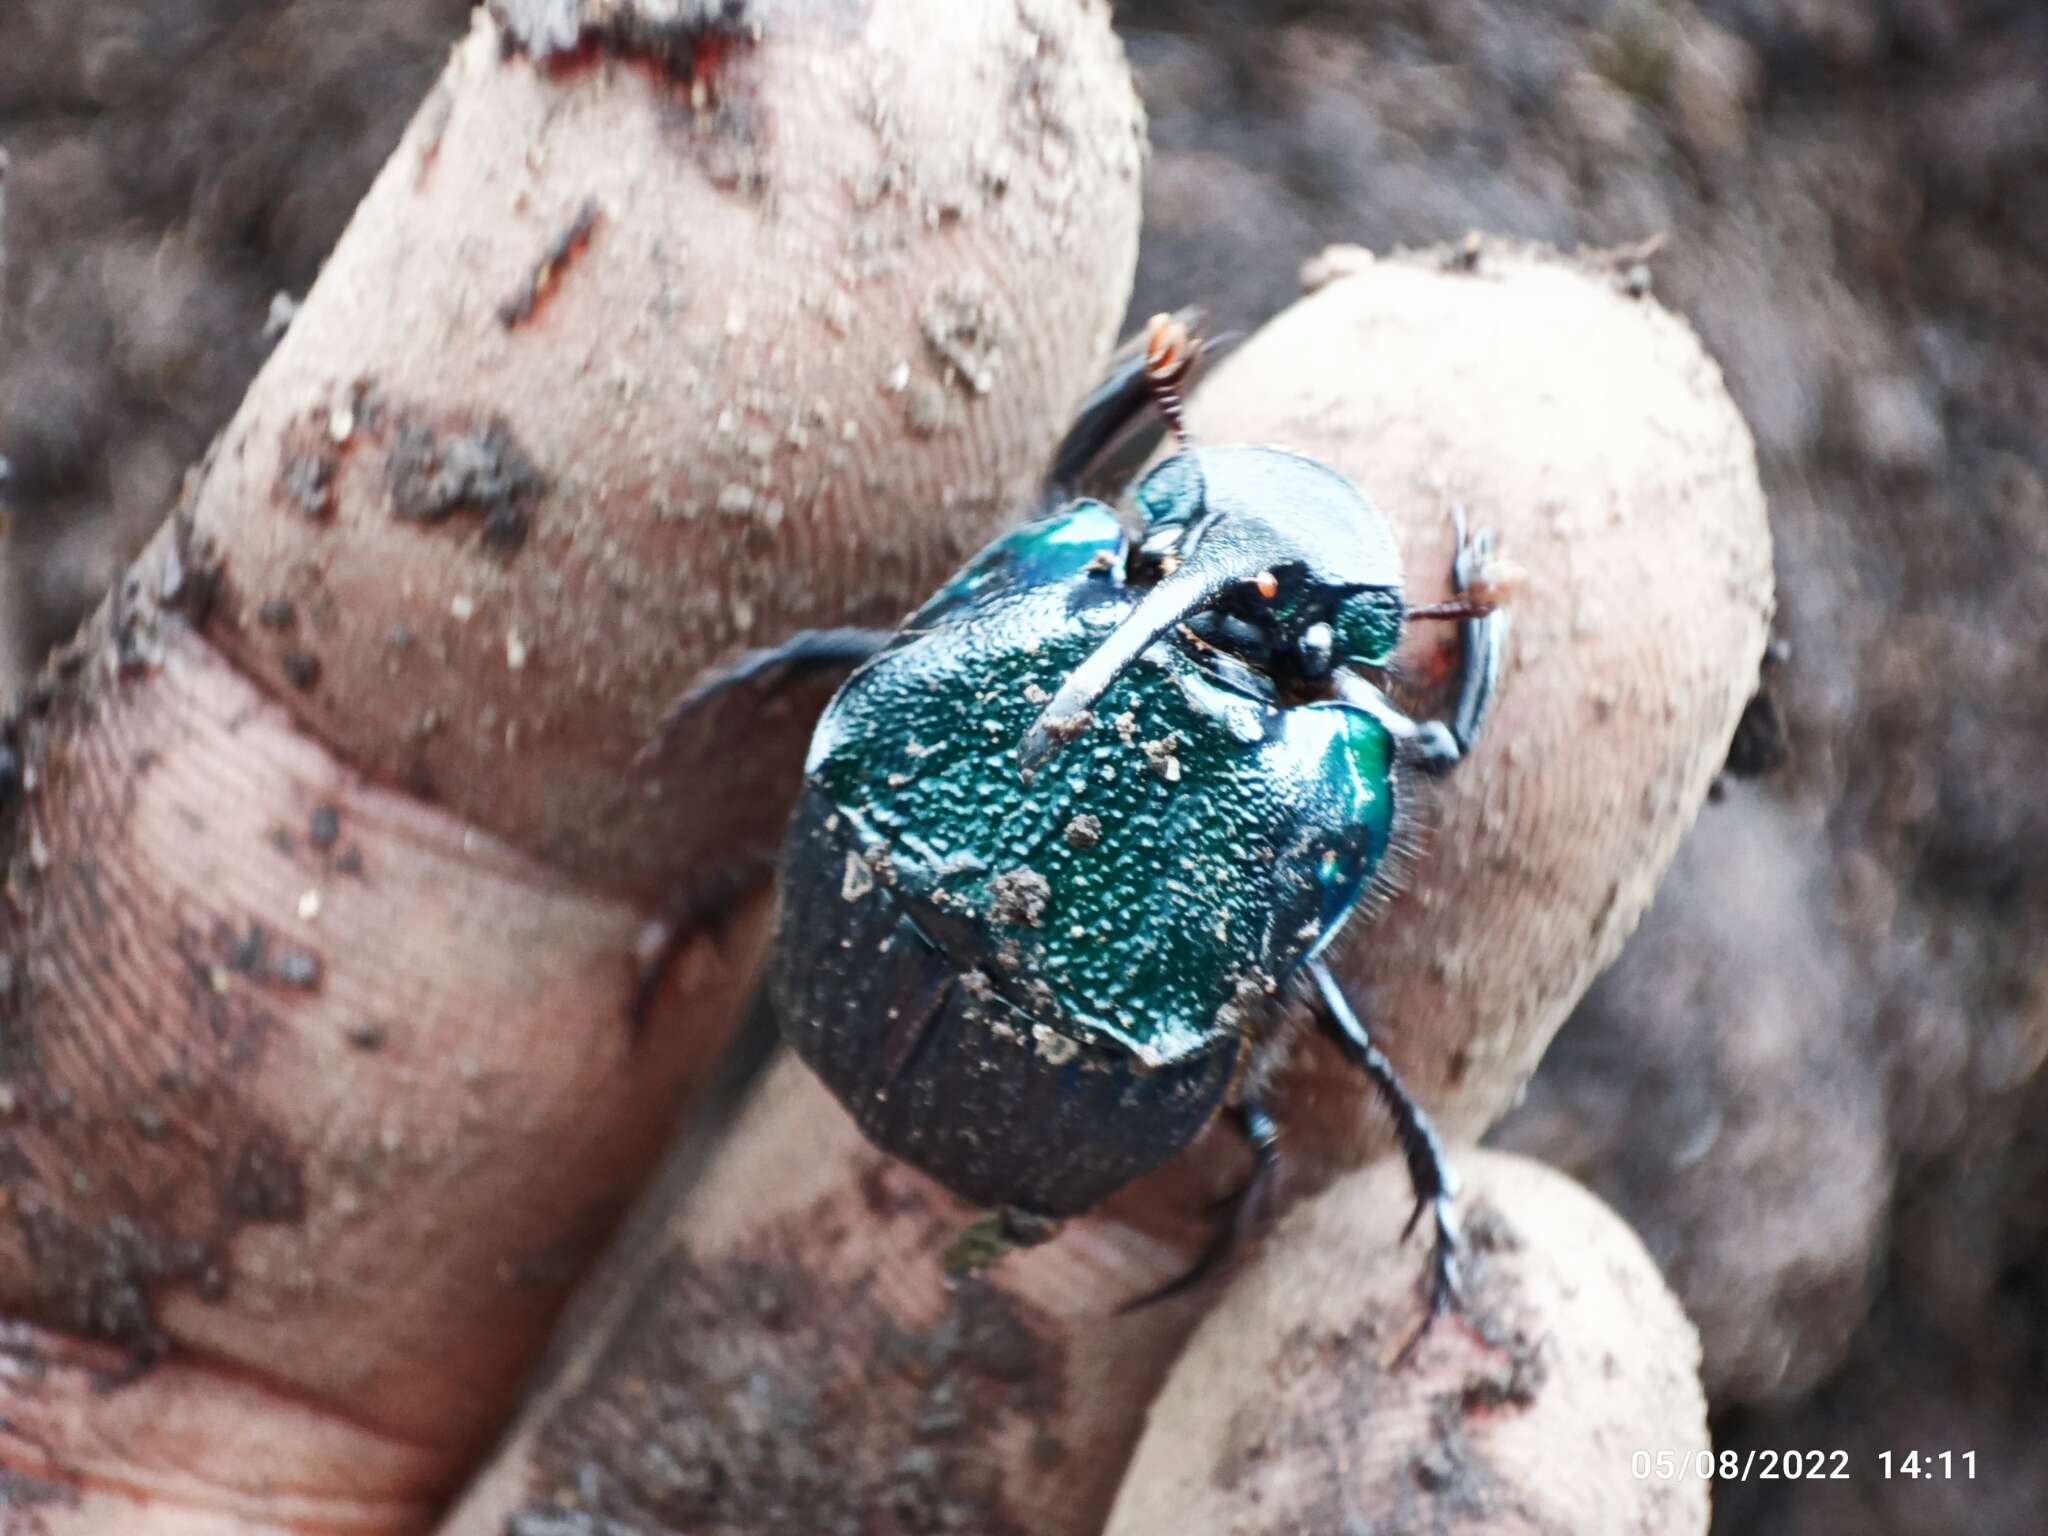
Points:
(1812, 1080)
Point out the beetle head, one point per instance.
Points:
(1266, 554)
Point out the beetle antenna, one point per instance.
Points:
(1484, 590)
(1171, 348)
(1466, 607)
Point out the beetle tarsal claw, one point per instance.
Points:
(1495, 580)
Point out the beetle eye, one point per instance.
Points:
(1172, 493)
(1367, 627)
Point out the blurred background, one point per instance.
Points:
(1812, 1081)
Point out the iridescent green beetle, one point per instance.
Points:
(1072, 837)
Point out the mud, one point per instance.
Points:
(136, 1181)
(748, 1393)
(1019, 897)
(433, 473)
(548, 270)
(306, 480)
(99, 1278)
(966, 326)
(1451, 1485)
(686, 36)
(301, 670)
(23, 1499)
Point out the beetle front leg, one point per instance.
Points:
(1430, 745)
(1115, 427)
(1485, 639)
(1429, 1171)
(1440, 745)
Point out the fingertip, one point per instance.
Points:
(1294, 1410)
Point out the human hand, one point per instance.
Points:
(323, 1087)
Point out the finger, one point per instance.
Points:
(1532, 847)
(1728, 1027)
(788, 1356)
(1591, 431)
(1288, 1410)
(333, 849)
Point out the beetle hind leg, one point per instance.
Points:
(698, 906)
(1237, 1215)
(1429, 1171)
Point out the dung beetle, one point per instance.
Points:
(1073, 836)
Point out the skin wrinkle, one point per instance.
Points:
(377, 1515)
(448, 837)
(190, 1374)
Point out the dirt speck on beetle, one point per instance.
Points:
(1019, 897)
(1070, 728)
(1163, 756)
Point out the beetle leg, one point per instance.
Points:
(1485, 639)
(1430, 745)
(1439, 745)
(707, 901)
(1115, 427)
(1429, 1172)
(1239, 1214)
(802, 655)
(700, 904)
